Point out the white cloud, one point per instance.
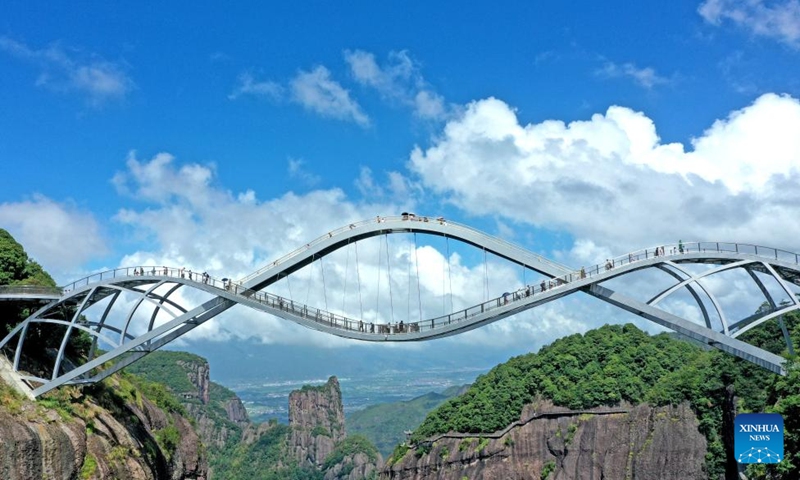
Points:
(645, 77)
(610, 179)
(399, 80)
(317, 91)
(99, 80)
(777, 20)
(198, 225)
(58, 235)
(249, 86)
(298, 171)
(193, 223)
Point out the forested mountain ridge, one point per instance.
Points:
(618, 364)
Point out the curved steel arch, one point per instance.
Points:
(564, 281)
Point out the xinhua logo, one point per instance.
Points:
(758, 438)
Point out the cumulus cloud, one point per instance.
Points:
(644, 77)
(248, 85)
(60, 236)
(610, 180)
(298, 171)
(777, 20)
(189, 221)
(192, 222)
(317, 91)
(398, 79)
(98, 80)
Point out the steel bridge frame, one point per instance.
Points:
(155, 286)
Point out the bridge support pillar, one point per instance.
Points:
(13, 379)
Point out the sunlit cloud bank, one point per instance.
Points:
(59, 235)
(612, 184)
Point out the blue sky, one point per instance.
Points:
(220, 136)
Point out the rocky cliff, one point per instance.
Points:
(107, 431)
(318, 438)
(316, 417)
(638, 442)
(218, 413)
(313, 445)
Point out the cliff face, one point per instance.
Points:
(641, 443)
(316, 417)
(198, 373)
(99, 436)
(317, 438)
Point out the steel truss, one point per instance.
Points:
(155, 288)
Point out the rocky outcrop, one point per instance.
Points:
(99, 436)
(640, 442)
(215, 429)
(198, 375)
(317, 436)
(316, 417)
(357, 466)
(236, 411)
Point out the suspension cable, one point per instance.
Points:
(310, 271)
(358, 280)
(289, 282)
(485, 277)
(444, 277)
(408, 283)
(449, 273)
(346, 265)
(416, 261)
(324, 286)
(378, 293)
(389, 276)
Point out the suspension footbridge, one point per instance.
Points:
(123, 294)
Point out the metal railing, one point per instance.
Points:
(34, 290)
(392, 219)
(332, 320)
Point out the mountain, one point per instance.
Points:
(384, 424)
(313, 446)
(123, 427)
(588, 405)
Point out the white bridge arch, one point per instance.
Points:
(155, 286)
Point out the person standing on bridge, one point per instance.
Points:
(680, 246)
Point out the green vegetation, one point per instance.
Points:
(482, 443)
(166, 367)
(548, 468)
(10, 399)
(384, 424)
(444, 452)
(616, 363)
(89, 467)
(168, 439)
(602, 367)
(265, 459)
(348, 447)
(466, 444)
(16, 268)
